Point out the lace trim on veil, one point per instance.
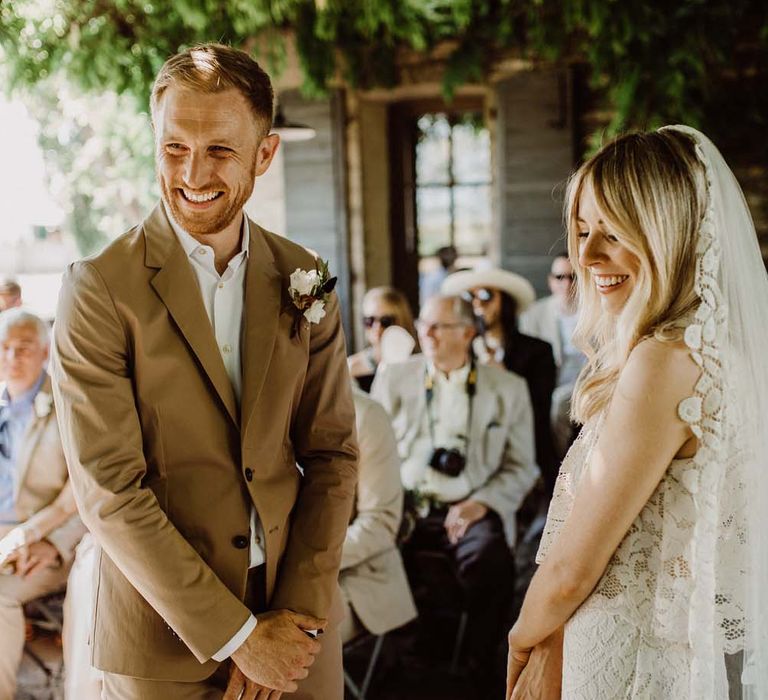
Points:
(717, 614)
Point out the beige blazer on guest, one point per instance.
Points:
(500, 467)
(166, 465)
(372, 572)
(43, 496)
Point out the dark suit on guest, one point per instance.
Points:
(533, 360)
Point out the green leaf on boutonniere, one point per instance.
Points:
(329, 285)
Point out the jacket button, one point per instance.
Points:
(240, 541)
(248, 474)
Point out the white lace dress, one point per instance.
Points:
(629, 639)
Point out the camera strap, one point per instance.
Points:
(471, 389)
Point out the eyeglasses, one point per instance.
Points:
(483, 295)
(560, 278)
(384, 321)
(425, 328)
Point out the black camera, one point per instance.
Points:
(449, 462)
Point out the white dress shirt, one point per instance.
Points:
(223, 297)
(449, 412)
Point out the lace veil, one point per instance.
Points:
(728, 339)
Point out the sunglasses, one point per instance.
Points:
(384, 321)
(560, 278)
(482, 295)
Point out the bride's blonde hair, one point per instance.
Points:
(650, 190)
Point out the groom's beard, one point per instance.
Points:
(226, 207)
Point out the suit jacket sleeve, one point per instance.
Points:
(325, 446)
(505, 491)
(379, 493)
(59, 523)
(102, 439)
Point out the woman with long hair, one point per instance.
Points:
(383, 307)
(653, 580)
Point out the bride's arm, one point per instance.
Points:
(640, 436)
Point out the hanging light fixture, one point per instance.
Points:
(290, 131)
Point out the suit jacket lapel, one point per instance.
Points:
(483, 408)
(176, 285)
(415, 398)
(31, 438)
(261, 313)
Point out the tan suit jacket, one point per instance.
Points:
(166, 466)
(372, 572)
(43, 495)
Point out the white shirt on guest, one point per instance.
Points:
(223, 297)
(449, 413)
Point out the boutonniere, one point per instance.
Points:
(43, 403)
(309, 290)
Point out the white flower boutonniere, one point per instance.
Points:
(309, 290)
(43, 403)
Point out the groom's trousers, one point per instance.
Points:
(325, 680)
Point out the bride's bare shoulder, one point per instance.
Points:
(659, 367)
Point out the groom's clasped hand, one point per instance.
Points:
(276, 655)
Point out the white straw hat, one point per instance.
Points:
(519, 288)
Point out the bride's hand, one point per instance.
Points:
(517, 659)
(541, 679)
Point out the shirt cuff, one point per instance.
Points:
(237, 641)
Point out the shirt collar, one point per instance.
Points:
(191, 244)
(24, 399)
(456, 376)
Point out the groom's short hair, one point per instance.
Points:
(213, 68)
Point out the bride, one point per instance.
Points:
(654, 561)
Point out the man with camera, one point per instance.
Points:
(465, 436)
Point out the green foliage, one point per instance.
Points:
(655, 59)
(99, 156)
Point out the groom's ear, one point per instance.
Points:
(266, 152)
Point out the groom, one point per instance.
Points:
(186, 401)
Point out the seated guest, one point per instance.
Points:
(497, 296)
(39, 531)
(553, 319)
(372, 578)
(382, 307)
(10, 294)
(465, 437)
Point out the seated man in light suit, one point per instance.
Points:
(465, 437)
(37, 522)
(372, 578)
